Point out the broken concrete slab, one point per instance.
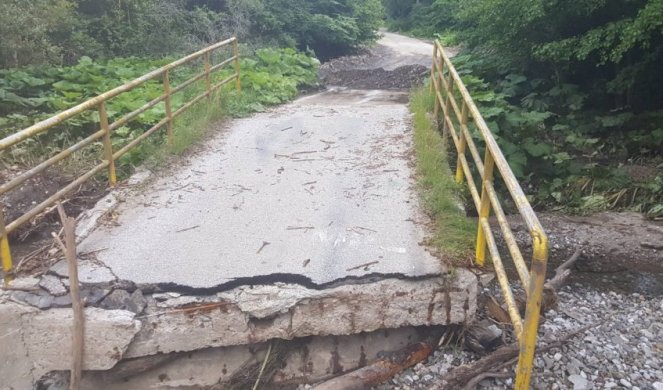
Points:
(89, 295)
(253, 314)
(108, 333)
(15, 364)
(39, 299)
(25, 283)
(53, 285)
(40, 341)
(301, 361)
(88, 272)
(90, 219)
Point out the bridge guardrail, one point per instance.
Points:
(106, 128)
(444, 79)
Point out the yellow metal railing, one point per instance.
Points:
(446, 83)
(106, 129)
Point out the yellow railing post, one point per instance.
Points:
(5, 250)
(108, 144)
(169, 109)
(208, 81)
(484, 207)
(533, 311)
(447, 107)
(238, 82)
(433, 70)
(462, 143)
(438, 103)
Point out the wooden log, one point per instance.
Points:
(379, 371)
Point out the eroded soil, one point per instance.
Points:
(29, 238)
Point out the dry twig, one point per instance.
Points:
(365, 266)
(463, 375)
(262, 368)
(69, 249)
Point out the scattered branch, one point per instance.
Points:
(364, 266)
(187, 229)
(463, 375)
(264, 244)
(563, 271)
(69, 249)
(262, 368)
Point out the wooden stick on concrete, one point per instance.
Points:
(69, 249)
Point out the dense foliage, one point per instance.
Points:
(55, 54)
(62, 31)
(571, 88)
(27, 95)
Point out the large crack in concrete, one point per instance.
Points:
(251, 314)
(274, 279)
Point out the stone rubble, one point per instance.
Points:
(622, 350)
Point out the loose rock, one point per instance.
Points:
(53, 285)
(122, 300)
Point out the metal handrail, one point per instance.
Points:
(106, 128)
(445, 79)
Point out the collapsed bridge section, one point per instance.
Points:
(302, 221)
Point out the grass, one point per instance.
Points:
(454, 232)
(189, 129)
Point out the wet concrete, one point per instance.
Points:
(318, 190)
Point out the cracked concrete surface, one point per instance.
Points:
(318, 190)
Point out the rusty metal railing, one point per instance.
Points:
(456, 123)
(105, 131)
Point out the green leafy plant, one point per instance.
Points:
(31, 94)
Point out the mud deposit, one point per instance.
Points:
(621, 251)
(396, 63)
(401, 78)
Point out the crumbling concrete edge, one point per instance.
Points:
(132, 325)
(35, 342)
(253, 314)
(90, 219)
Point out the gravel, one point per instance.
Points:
(623, 349)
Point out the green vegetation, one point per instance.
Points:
(60, 32)
(271, 76)
(572, 91)
(442, 197)
(55, 54)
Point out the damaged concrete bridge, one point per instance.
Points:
(300, 221)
